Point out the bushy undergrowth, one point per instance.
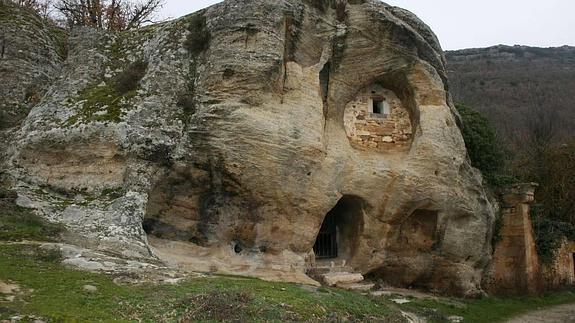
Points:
(483, 146)
(129, 79)
(549, 233)
(199, 36)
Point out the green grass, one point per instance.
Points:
(18, 223)
(57, 293)
(492, 309)
(101, 103)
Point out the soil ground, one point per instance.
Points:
(557, 314)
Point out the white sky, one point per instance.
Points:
(470, 23)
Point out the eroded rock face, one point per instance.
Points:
(233, 149)
(30, 52)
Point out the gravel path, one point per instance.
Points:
(560, 314)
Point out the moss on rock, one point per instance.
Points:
(101, 103)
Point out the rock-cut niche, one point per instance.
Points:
(377, 119)
(339, 234)
(411, 250)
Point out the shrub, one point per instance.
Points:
(219, 306)
(549, 233)
(556, 176)
(128, 80)
(188, 103)
(8, 195)
(198, 39)
(483, 145)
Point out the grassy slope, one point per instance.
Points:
(58, 294)
(52, 291)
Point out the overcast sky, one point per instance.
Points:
(465, 24)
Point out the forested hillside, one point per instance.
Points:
(528, 94)
(520, 89)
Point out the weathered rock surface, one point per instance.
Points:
(31, 52)
(333, 279)
(232, 150)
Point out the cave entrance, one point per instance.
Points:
(325, 246)
(341, 227)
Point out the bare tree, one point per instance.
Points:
(42, 7)
(109, 14)
(542, 122)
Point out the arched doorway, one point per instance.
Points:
(341, 227)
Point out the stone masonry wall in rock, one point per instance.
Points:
(377, 119)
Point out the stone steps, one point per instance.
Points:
(335, 278)
(317, 271)
(339, 274)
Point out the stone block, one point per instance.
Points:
(333, 279)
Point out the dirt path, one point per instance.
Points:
(560, 314)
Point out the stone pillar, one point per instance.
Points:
(515, 260)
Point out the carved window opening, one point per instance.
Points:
(379, 107)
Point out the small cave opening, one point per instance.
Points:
(324, 75)
(158, 229)
(343, 224)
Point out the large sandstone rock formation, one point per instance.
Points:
(253, 121)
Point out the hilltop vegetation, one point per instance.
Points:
(513, 85)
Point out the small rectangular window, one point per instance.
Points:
(377, 106)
